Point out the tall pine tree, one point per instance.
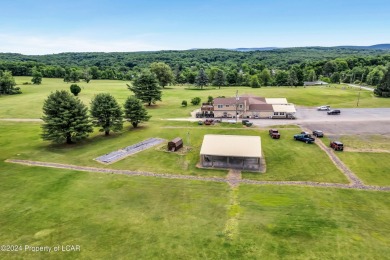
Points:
(106, 113)
(146, 88)
(65, 118)
(201, 79)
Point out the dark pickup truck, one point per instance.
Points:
(274, 133)
(304, 138)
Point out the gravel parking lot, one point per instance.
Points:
(350, 121)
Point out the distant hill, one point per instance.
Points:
(384, 46)
(256, 49)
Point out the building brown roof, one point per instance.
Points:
(261, 107)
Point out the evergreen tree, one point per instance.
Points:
(135, 112)
(146, 88)
(65, 118)
(106, 113)
(383, 90)
(219, 78)
(201, 79)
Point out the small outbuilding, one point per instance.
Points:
(231, 151)
(175, 144)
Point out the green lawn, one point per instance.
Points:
(283, 157)
(372, 168)
(366, 156)
(313, 223)
(366, 142)
(30, 102)
(287, 159)
(116, 217)
(110, 216)
(121, 217)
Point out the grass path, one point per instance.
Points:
(357, 184)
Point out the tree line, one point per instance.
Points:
(237, 68)
(67, 119)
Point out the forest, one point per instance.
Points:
(278, 67)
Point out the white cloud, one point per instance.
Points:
(48, 45)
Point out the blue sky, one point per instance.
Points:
(44, 26)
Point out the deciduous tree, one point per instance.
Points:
(75, 89)
(106, 113)
(65, 118)
(163, 73)
(7, 84)
(383, 90)
(37, 77)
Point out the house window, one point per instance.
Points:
(276, 113)
(227, 105)
(282, 113)
(240, 105)
(220, 106)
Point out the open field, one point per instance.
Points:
(368, 156)
(307, 223)
(30, 102)
(372, 168)
(114, 216)
(317, 166)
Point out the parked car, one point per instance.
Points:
(323, 108)
(244, 121)
(274, 133)
(334, 112)
(304, 138)
(337, 146)
(318, 133)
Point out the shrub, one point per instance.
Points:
(195, 101)
(184, 103)
(75, 89)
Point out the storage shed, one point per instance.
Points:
(231, 151)
(175, 144)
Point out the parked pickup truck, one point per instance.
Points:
(274, 133)
(304, 138)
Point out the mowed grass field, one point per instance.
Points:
(368, 156)
(29, 104)
(116, 217)
(120, 217)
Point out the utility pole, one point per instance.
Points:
(360, 89)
